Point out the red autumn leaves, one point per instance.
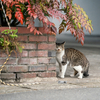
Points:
(73, 16)
(19, 15)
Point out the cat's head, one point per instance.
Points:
(60, 47)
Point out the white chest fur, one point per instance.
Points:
(60, 55)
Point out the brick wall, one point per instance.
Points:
(37, 58)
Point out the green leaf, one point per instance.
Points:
(4, 32)
(90, 21)
(91, 27)
(1, 41)
(79, 25)
(13, 36)
(75, 27)
(20, 49)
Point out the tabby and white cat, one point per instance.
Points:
(72, 57)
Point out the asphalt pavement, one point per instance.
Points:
(65, 94)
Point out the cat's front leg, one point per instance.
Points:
(64, 67)
(60, 68)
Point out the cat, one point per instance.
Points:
(72, 57)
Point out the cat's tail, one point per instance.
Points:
(86, 70)
(85, 74)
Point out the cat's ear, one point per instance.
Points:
(56, 43)
(64, 43)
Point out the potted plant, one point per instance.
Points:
(26, 11)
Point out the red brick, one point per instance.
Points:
(43, 60)
(14, 54)
(33, 61)
(29, 46)
(41, 29)
(17, 68)
(4, 69)
(52, 60)
(24, 54)
(32, 53)
(27, 61)
(10, 61)
(23, 61)
(38, 68)
(47, 74)
(3, 54)
(51, 67)
(22, 38)
(8, 76)
(38, 38)
(45, 46)
(26, 75)
(23, 30)
(42, 53)
(52, 38)
(38, 53)
(3, 28)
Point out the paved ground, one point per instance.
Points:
(92, 52)
(65, 94)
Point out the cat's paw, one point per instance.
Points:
(72, 75)
(61, 76)
(80, 77)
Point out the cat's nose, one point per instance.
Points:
(58, 49)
